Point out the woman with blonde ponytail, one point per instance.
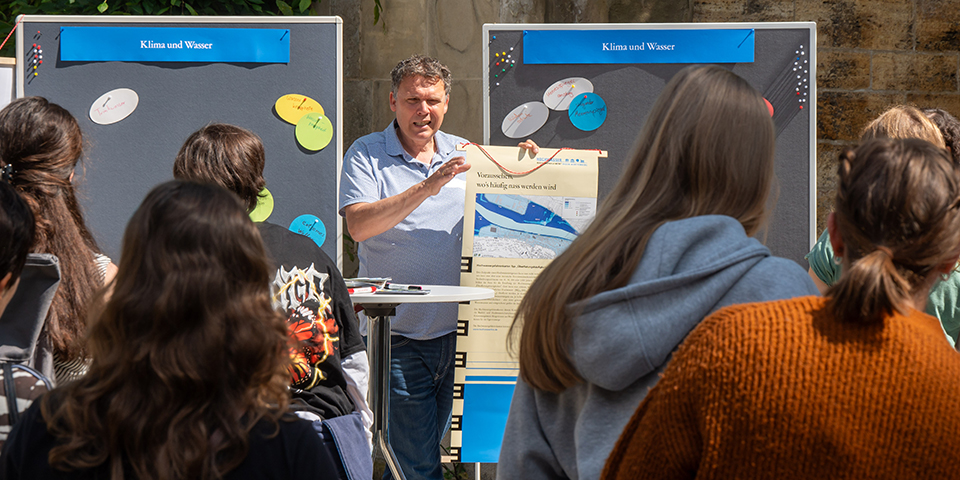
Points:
(671, 243)
(901, 121)
(857, 384)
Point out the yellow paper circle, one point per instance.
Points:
(294, 106)
(264, 206)
(314, 131)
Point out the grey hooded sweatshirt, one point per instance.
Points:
(623, 338)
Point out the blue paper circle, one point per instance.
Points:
(310, 226)
(587, 112)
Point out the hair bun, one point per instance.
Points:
(885, 250)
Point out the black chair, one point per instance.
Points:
(20, 327)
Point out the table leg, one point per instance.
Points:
(379, 336)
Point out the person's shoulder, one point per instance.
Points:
(285, 244)
(772, 308)
(449, 140)
(286, 235)
(743, 323)
(290, 430)
(779, 274)
(364, 143)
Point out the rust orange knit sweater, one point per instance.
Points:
(784, 390)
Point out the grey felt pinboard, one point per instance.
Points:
(125, 159)
(630, 90)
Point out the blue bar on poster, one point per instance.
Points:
(637, 46)
(163, 44)
(490, 378)
(485, 409)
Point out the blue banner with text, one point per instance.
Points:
(160, 44)
(638, 46)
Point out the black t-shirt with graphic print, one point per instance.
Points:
(309, 288)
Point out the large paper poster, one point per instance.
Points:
(521, 212)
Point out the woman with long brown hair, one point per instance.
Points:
(670, 244)
(859, 384)
(40, 147)
(188, 373)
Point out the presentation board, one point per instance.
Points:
(624, 67)
(139, 86)
(591, 86)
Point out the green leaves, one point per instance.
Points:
(377, 10)
(9, 10)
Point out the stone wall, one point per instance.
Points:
(871, 54)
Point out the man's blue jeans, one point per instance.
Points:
(421, 401)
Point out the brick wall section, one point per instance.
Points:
(871, 55)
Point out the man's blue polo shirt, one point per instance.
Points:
(424, 248)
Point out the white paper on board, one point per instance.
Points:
(114, 106)
(559, 95)
(522, 121)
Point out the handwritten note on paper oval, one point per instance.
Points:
(524, 120)
(264, 206)
(310, 226)
(314, 131)
(587, 111)
(114, 106)
(293, 106)
(559, 95)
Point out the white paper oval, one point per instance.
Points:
(524, 120)
(559, 95)
(114, 106)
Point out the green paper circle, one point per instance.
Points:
(314, 131)
(264, 207)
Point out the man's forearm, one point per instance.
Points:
(365, 220)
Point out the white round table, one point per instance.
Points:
(379, 307)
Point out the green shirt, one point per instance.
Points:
(942, 302)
